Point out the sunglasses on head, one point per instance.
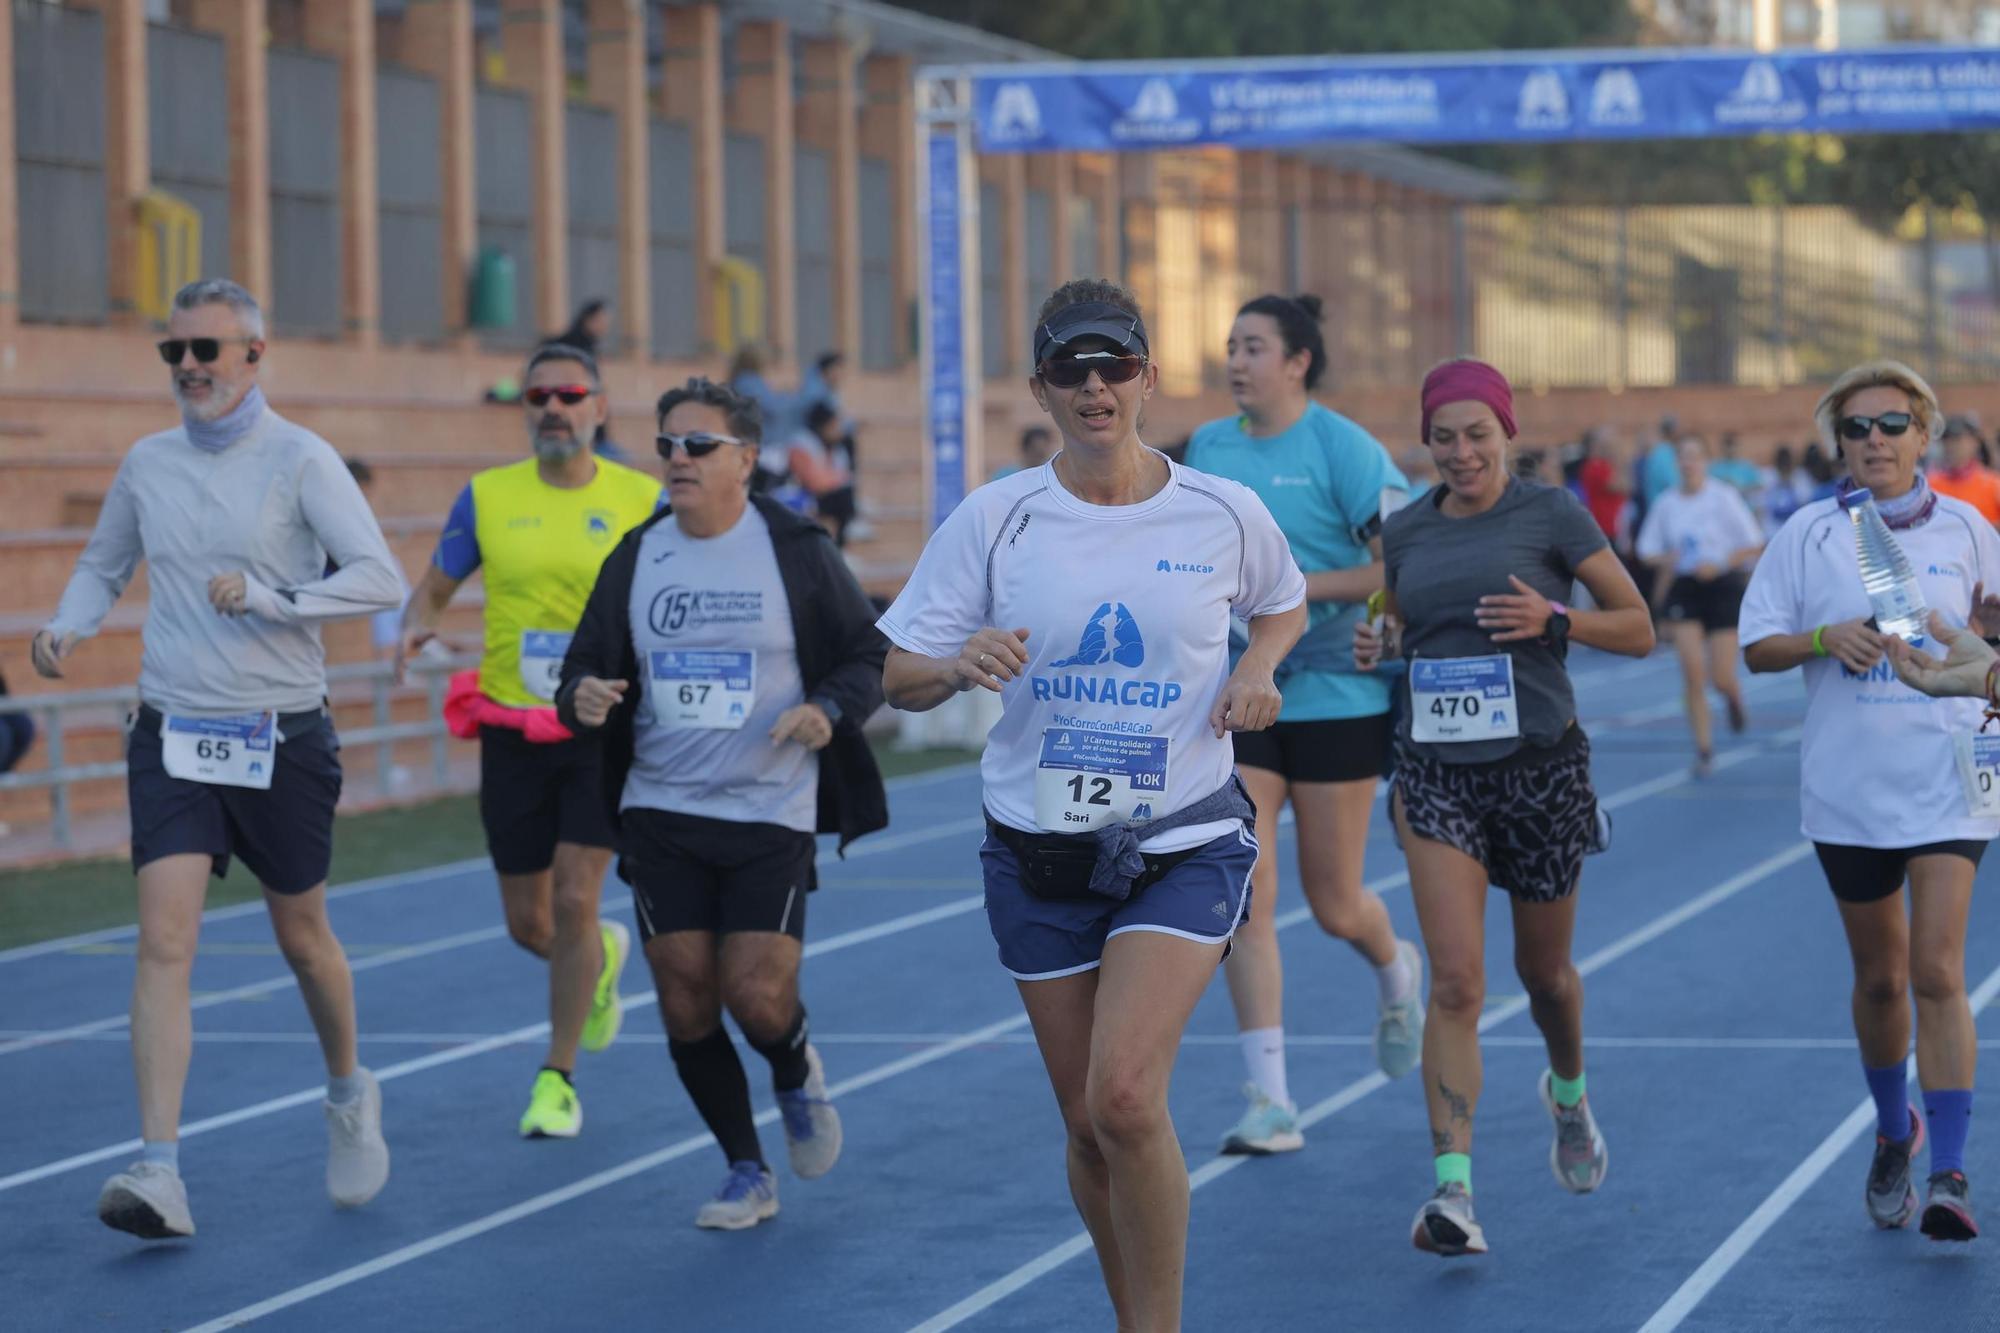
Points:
(1859, 428)
(1070, 372)
(205, 349)
(698, 444)
(571, 394)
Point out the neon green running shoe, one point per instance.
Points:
(606, 1014)
(553, 1109)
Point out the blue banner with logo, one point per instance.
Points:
(1501, 98)
(944, 390)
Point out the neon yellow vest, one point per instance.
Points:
(540, 547)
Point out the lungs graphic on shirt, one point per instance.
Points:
(1111, 635)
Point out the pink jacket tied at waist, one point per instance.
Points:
(466, 710)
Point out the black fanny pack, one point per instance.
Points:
(148, 719)
(1056, 867)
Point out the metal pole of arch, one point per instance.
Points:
(948, 332)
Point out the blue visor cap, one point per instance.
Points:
(1091, 319)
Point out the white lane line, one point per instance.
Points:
(423, 875)
(1780, 1200)
(618, 903)
(588, 1185)
(1040, 1266)
(499, 1041)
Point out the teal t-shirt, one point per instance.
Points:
(1323, 481)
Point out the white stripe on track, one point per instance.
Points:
(1804, 1176)
(994, 1292)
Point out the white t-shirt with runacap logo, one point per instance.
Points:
(1879, 762)
(1128, 608)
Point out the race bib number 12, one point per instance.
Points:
(1454, 700)
(1087, 779)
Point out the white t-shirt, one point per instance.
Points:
(1128, 611)
(1705, 528)
(1878, 763)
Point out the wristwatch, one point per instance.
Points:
(1557, 630)
(830, 708)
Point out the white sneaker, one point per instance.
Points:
(748, 1196)
(812, 1125)
(357, 1160)
(1399, 1029)
(1266, 1127)
(148, 1200)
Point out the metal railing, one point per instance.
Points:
(427, 680)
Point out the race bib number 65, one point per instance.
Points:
(236, 751)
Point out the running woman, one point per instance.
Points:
(1118, 855)
(1492, 777)
(1927, 807)
(232, 753)
(1700, 537)
(539, 529)
(727, 660)
(1328, 483)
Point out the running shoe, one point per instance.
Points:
(553, 1109)
(812, 1126)
(1578, 1156)
(1703, 767)
(748, 1196)
(148, 1200)
(1445, 1226)
(357, 1159)
(1267, 1127)
(1600, 834)
(1948, 1213)
(606, 1013)
(1892, 1198)
(1399, 1029)
(1739, 717)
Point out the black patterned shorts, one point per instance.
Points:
(1530, 818)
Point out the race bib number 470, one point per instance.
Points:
(238, 751)
(1454, 700)
(703, 691)
(1087, 779)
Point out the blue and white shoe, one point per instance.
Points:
(1399, 1028)
(747, 1197)
(812, 1126)
(1267, 1127)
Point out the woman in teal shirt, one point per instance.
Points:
(1328, 483)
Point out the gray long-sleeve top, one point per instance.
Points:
(276, 505)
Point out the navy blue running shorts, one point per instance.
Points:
(1203, 898)
(283, 835)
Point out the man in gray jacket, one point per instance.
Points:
(239, 515)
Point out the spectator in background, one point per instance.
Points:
(816, 461)
(17, 735)
(1820, 475)
(746, 377)
(385, 628)
(1962, 475)
(590, 331)
(1787, 492)
(1417, 465)
(1731, 468)
(1600, 488)
(822, 386)
(1038, 446)
(1660, 469)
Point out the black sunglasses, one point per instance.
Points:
(1857, 429)
(1069, 372)
(205, 349)
(699, 444)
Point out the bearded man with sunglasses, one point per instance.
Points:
(231, 752)
(1895, 786)
(539, 529)
(728, 660)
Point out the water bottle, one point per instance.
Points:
(1885, 571)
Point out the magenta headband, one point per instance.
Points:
(1468, 382)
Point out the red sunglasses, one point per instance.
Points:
(571, 394)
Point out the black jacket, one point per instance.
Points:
(840, 661)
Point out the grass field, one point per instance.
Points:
(52, 901)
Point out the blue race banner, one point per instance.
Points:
(944, 387)
(1502, 98)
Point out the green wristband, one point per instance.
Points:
(1819, 642)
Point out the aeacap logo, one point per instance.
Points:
(1155, 116)
(1016, 113)
(1544, 103)
(1126, 646)
(1615, 99)
(1760, 98)
(1182, 567)
(1156, 101)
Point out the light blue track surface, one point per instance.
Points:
(1720, 1058)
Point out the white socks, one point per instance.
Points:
(1397, 981)
(1264, 1057)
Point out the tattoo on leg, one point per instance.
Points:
(1442, 1140)
(1459, 1105)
